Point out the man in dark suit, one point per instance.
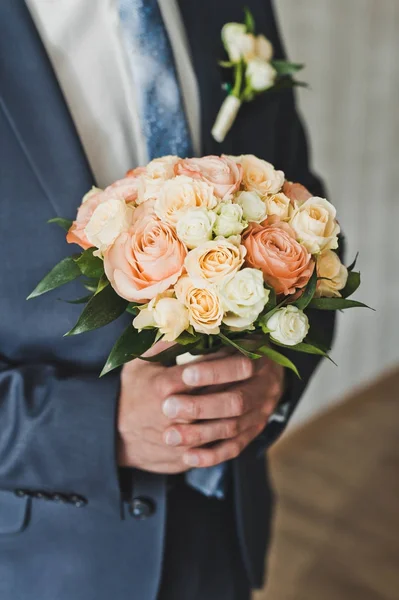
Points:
(94, 501)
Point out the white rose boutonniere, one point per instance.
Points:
(250, 58)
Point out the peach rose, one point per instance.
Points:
(76, 233)
(156, 173)
(285, 264)
(260, 176)
(181, 193)
(125, 189)
(145, 261)
(332, 273)
(296, 192)
(223, 173)
(205, 312)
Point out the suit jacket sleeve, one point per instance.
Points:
(57, 432)
(292, 155)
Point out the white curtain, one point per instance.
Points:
(351, 52)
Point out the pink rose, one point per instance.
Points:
(125, 189)
(145, 261)
(285, 264)
(76, 233)
(296, 192)
(222, 173)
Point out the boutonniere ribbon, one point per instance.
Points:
(253, 69)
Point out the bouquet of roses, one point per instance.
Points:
(206, 252)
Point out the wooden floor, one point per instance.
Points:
(337, 523)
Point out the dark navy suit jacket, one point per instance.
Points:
(59, 483)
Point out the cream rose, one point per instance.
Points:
(205, 311)
(315, 225)
(108, 220)
(214, 260)
(253, 207)
(238, 43)
(165, 313)
(278, 205)
(151, 180)
(333, 274)
(260, 176)
(229, 220)
(181, 193)
(243, 298)
(195, 226)
(260, 75)
(288, 325)
(263, 48)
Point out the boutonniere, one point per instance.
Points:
(253, 69)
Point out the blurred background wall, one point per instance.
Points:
(351, 52)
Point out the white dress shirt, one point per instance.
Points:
(85, 46)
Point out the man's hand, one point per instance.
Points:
(163, 423)
(229, 419)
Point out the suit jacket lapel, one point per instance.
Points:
(36, 109)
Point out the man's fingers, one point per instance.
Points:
(215, 372)
(223, 405)
(205, 432)
(222, 451)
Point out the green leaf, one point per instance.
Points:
(82, 300)
(307, 348)
(64, 272)
(103, 282)
(90, 265)
(284, 67)
(228, 342)
(272, 301)
(353, 265)
(132, 308)
(65, 224)
(226, 64)
(249, 20)
(278, 358)
(351, 285)
(336, 304)
(103, 308)
(187, 338)
(130, 345)
(304, 300)
(168, 357)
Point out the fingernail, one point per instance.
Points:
(191, 460)
(173, 437)
(171, 407)
(190, 376)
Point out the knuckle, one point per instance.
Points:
(246, 367)
(235, 449)
(232, 429)
(237, 403)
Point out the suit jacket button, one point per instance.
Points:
(59, 498)
(20, 493)
(78, 501)
(142, 508)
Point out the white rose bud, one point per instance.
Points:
(169, 315)
(263, 48)
(243, 298)
(315, 225)
(288, 325)
(229, 220)
(260, 74)
(109, 219)
(195, 226)
(332, 273)
(253, 207)
(238, 43)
